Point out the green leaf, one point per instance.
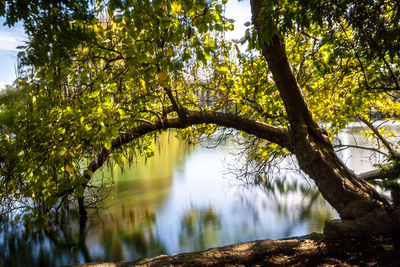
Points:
(78, 191)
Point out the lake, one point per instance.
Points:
(185, 198)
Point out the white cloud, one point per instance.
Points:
(10, 41)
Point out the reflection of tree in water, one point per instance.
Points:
(122, 229)
(106, 240)
(291, 197)
(125, 233)
(289, 191)
(309, 204)
(72, 244)
(200, 229)
(20, 247)
(125, 224)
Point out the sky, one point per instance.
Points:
(10, 38)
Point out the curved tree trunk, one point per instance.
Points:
(362, 209)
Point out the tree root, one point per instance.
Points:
(379, 222)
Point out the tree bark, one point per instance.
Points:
(82, 213)
(355, 200)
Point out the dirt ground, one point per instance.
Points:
(310, 250)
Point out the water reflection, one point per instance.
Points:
(18, 248)
(179, 200)
(200, 229)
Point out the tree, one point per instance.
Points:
(357, 203)
(135, 68)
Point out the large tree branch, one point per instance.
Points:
(371, 175)
(301, 121)
(259, 129)
(265, 131)
(275, 53)
(390, 174)
(262, 130)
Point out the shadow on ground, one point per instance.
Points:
(310, 250)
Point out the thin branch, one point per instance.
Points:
(383, 58)
(343, 147)
(378, 135)
(356, 54)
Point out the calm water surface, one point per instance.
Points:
(182, 199)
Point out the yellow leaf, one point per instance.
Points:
(143, 83)
(162, 76)
(223, 69)
(63, 152)
(69, 169)
(107, 145)
(170, 52)
(176, 8)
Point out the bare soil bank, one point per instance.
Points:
(310, 250)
